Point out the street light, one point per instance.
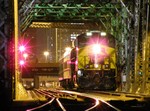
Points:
(25, 55)
(46, 53)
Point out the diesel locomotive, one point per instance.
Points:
(91, 63)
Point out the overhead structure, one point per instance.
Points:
(87, 12)
(65, 25)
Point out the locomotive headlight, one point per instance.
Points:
(96, 49)
(103, 33)
(80, 73)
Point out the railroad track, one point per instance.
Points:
(65, 101)
(121, 100)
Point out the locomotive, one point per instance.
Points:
(91, 63)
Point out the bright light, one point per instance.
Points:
(25, 55)
(21, 48)
(80, 73)
(21, 62)
(96, 65)
(76, 62)
(24, 85)
(103, 33)
(60, 78)
(89, 33)
(46, 53)
(96, 48)
(77, 49)
(32, 83)
(67, 51)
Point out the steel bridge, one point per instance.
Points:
(127, 20)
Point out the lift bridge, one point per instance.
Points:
(127, 20)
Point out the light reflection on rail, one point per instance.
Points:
(97, 101)
(54, 96)
(41, 105)
(62, 107)
(96, 104)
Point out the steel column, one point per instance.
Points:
(6, 54)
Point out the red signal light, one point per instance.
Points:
(21, 62)
(21, 48)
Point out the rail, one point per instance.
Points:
(66, 101)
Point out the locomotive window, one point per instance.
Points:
(82, 43)
(81, 40)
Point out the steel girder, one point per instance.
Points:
(136, 74)
(92, 26)
(6, 55)
(142, 64)
(86, 12)
(122, 27)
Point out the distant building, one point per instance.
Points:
(53, 40)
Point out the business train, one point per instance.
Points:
(91, 63)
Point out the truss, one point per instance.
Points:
(65, 25)
(70, 12)
(6, 53)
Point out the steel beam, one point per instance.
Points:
(6, 64)
(66, 13)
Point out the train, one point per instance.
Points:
(90, 63)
